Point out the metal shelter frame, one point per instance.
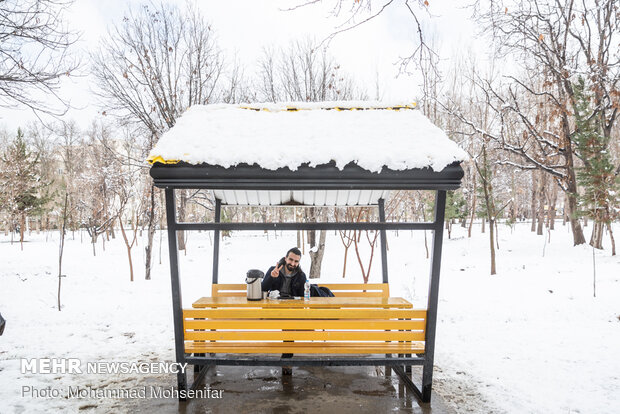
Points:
(323, 177)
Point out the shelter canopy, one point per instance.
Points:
(241, 151)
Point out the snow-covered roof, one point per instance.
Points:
(370, 134)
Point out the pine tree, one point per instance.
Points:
(599, 199)
(24, 192)
(456, 208)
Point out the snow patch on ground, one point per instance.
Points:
(530, 339)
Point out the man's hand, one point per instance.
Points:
(276, 270)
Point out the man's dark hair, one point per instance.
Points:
(295, 251)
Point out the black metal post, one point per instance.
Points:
(433, 296)
(383, 241)
(177, 305)
(216, 241)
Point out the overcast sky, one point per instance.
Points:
(244, 27)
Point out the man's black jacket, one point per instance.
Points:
(275, 283)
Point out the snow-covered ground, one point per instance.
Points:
(531, 339)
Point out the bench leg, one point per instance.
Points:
(197, 367)
(427, 382)
(287, 370)
(182, 383)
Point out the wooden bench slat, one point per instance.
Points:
(230, 286)
(307, 313)
(229, 294)
(319, 335)
(359, 324)
(306, 347)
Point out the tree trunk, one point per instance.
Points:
(533, 205)
(571, 189)
(316, 256)
(181, 218)
(578, 237)
(127, 245)
(565, 211)
(473, 210)
(93, 241)
(61, 249)
(22, 223)
(541, 203)
(492, 245)
(425, 239)
(552, 203)
(151, 232)
(611, 236)
(596, 240)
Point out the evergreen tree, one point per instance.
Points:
(456, 208)
(24, 193)
(599, 199)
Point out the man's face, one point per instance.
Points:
(292, 262)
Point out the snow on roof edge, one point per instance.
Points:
(340, 131)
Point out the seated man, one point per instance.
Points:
(287, 277)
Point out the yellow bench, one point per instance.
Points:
(313, 330)
(338, 289)
(360, 319)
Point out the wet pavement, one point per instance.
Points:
(338, 390)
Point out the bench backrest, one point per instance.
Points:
(313, 330)
(339, 289)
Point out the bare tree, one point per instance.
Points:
(303, 72)
(555, 40)
(99, 183)
(158, 62)
(359, 12)
(34, 54)
(71, 151)
(154, 65)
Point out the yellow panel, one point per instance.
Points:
(306, 347)
(230, 286)
(229, 294)
(157, 158)
(365, 324)
(270, 344)
(305, 335)
(228, 289)
(319, 302)
(305, 313)
(339, 289)
(364, 288)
